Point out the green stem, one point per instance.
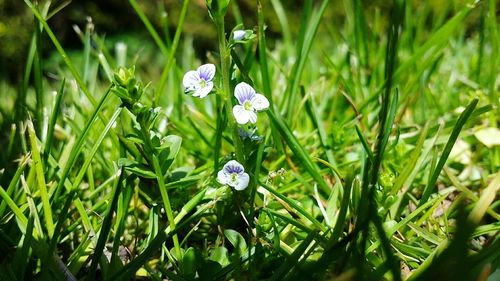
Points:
(166, 202)
(162, 187)
(225, 56)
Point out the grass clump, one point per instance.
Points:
(367, 151)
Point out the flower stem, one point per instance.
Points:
(163, 189)
(166, 202)
(226, 86)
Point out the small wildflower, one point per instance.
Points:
(249, 103)
(233, 174)
(199, 81)
(239, 35)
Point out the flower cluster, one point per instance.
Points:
(200, 83)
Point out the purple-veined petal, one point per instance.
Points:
(191, 80)
(252, 116)
(233, 166)
(204, 91)
(243, 92)
(259, 102)
(241, 115)
(207, 72)
(242, 182)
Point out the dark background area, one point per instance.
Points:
(117, 17)
(114, 18)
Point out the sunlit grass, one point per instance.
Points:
(377, 158)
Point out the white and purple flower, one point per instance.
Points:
(233, 174)
(199, 81)
(249, 103)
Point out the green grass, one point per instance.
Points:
(370, 164)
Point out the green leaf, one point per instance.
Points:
(189, 264)
(220, 255)
(136, 168)
(236, 240)
(168, 151)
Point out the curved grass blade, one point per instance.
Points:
(447, 149)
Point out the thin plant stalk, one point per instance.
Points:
(225, 56)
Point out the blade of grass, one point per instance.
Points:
(289, 263)
(40, 179)
(121, 216)
(438, 38)
(386, 118)
(149, 27)
(38, 73)
(22, 255)
(131, 268)
(303, 55)
(360, 33)
(295, 207)
(75, 151)
(52, 123)
(13, 184)
(264, 70)
(166, 203)
(343, 211)
(312, 110)
(171, 54)
(60, 220)
(407, 219)
(298, 150)
(283, 20)
(435, 43)
(492, 85)
(106, 226)
(487, 197)
(90, 156)
(364, 143)
(15, 209)
(33, 212)
(61, 51)
(430, 187)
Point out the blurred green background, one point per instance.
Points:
(118, 22)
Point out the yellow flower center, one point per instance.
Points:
(233, 177)
(247, 105)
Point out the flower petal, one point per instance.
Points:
(206, 72)
(191, 80)
(252, 116)
(241, 115)
(239, 35)
(242, 182)
(259, 102)
(233, 166)
(203, 92)
(243, 92)
(222, 177)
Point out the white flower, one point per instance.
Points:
(233, 174)
(199, 81)
(249, 103)
(239, 35)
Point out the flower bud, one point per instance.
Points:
(217, 8)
